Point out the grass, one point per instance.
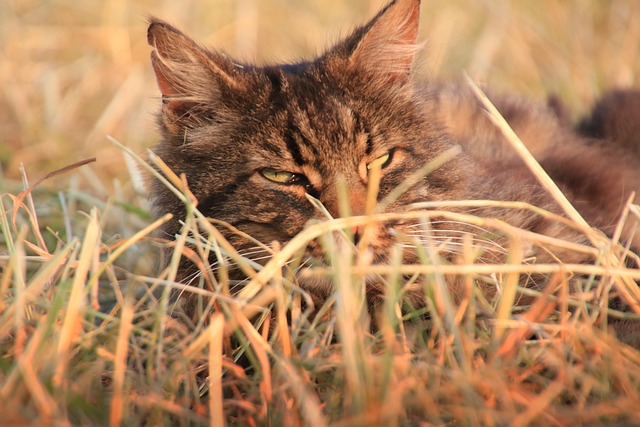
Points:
(89, 335)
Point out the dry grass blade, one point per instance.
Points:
(19, 199)
(409, 182)
(216, 333)
(37, 284)
(45, 401)
(540, 310)
(509, 286)
(72, 325)
(310, 406)
(262, 349)
(533, 164)
(128, 243)
(120, 366)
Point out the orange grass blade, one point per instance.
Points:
(56, 172)
(542, 176)
(72, 324)
(215, 335)
(119, 400)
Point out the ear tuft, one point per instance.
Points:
(386, 46)
(174, 58)
(189, 76)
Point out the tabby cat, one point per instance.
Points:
(255, 141)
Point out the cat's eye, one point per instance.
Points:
(289, 178)
(381, 162)
(280, 177)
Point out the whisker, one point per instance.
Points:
(454, 240)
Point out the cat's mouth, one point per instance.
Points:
(317, 265)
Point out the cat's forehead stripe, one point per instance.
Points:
(362, 131)
(291, 107)
(293, 147)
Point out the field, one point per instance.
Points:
(89, 335)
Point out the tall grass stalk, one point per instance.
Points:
(257, 355)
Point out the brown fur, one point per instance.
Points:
(223, 122)
(615, 118)
(595, 174)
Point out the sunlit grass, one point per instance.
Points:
(131, 356)
(90, 333)
(260, 356)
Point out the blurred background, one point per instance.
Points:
(73, 72)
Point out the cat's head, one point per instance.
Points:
(254, 141)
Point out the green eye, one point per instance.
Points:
(288, 178)
(381, 161)
(280, 177)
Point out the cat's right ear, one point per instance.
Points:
(385, 47)
(189, 76)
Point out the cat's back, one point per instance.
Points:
(612, 125)
(538, 125)
(615, 117)
(595, 164)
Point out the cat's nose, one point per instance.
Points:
(357, 233)
(358, 202)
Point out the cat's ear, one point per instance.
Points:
(189, 76)
(386, 46)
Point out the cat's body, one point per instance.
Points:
(253, 142)
(597, 172)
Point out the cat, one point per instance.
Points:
(255, 141)
(615, 118)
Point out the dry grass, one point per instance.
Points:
(86, 335)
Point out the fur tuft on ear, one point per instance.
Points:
(189, 76)
(386, 46)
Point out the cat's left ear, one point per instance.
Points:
(386, 46)
(190, 77)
